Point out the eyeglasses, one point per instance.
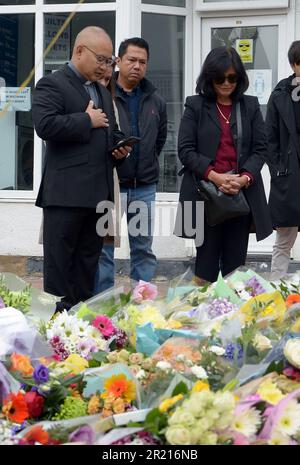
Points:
(101, 59)
(231, 78)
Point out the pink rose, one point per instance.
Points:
(144, 291)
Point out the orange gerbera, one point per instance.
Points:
(37, 434)
(292, 299)
(15, 408)
(119, 387)
(22, 364)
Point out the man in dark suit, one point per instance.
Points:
(74, 115)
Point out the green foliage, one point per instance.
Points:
(277, 366)
(20, 300)
(156, 422)
(181, 388)
(99, 357)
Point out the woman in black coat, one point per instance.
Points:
(283, 134)
(207, 146)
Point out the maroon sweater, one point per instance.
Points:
(226, 156)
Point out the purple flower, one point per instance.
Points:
(83, 434)
(220, 307)
(16, 429)
(233, 351)
(2, 304)
(254, 287)
(85, 347)
(41, 374)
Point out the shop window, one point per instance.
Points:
(166, 72)
(61, 51)
(16, 127)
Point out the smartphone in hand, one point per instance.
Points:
(129, 142)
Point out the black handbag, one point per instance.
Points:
(219, 207)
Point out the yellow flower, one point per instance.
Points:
(119, 406)
(75, 364)
(120, 387)
(264, 305)
(151, 314)
(166, 404)
(200, 386)
(174, 324)
(94, 405)
(270, 393)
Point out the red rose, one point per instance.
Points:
(35, 404)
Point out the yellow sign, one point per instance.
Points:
(244, 47)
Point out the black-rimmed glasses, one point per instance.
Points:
(101, 59)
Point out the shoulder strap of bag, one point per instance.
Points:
(239, 133)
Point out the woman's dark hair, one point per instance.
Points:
(294, 53)
(217, 62)
(111, 86)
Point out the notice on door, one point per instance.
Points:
(14, 99)
(244, 47)
(260, 84)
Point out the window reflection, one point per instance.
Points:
(61, 51)
(166, 72)
(16, 127)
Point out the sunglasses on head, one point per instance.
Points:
(231, 78)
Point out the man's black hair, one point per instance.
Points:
(137, 42)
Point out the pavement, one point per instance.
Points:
(162, 283)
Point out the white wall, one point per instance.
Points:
(19, 229)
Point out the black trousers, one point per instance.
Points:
(224, 248)
(71, 251)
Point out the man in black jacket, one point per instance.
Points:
(142, 113)
(283, 132)
(75, 116)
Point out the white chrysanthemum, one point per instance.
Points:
(278, 439)
(289, 422)
(54, 332)
(199, 372)
(217, 350)
(247, 422)
(163, 365)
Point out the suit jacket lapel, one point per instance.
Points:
(213, 113)
(76, 83)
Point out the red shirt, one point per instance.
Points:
(226, 156)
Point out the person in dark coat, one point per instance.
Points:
(75, 116)
(283, 134)
(207, 148)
